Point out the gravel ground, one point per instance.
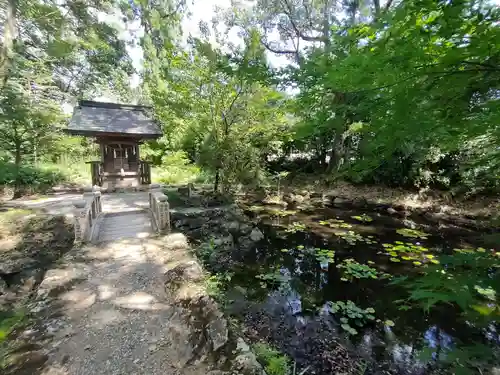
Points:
(117, 320)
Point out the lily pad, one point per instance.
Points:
(412, 233)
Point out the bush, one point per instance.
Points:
(36, 178)
(274, 361)
(176, 168)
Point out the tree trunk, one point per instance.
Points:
(217, 180)
(8, 41)
(18, 191)
(337, 153)
(376, 5)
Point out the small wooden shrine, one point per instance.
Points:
(119, 129)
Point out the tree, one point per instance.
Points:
(53, 52)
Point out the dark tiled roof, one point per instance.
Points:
(91, 118)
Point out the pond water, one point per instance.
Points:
(285, 291)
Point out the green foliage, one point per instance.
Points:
(350, 315)
(295, 227)
(215, 285)
(271, 278)
(413, 233)
(274, 362)
(324, 255)
(468, 279)
(335, 223)
(352, 238)
(10, 320)
(364, 218)
(175, 168)
(354, 270)
(409, 252)
(38, 178)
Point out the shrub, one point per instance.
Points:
(176, 168)
(274, 361)
(37, 178)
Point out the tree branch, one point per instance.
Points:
(307, 38)
(387, 6)
(278, 51)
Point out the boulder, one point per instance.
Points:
(245, 362)
(256, 235)
(16, 264)
(339, 202)
(26, 362)
(59, 280)
(360, 202)
(392, 211)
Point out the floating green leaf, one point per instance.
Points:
(413, 233)
(363, 218)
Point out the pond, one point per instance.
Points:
(287, 291)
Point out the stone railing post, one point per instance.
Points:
(160, 209)
(79, 220)
(86, 212)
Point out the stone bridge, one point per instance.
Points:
(103, 218)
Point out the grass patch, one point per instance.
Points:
(273, 360)
(9, 320)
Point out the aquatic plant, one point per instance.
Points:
(412, 233)
(352, 238)
(354, 270)
(351, 315)
(275, 362)
(324, 255)
(335, 223)
(410, 252)
(280, 213)
(272, 277)
(363, 218)
(295, 227)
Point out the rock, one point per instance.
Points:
(3, 286)
(245, 229)
(196, 223)
(392, 211)
(233, 226)
(338, 202)
(409, 224)
(218, 332)
(360, 202)
(60, 280)
(27, 362)
(256, 235)
(185, 281)
(221, 241)
(15, 265)
(245, 362)
(29, 279)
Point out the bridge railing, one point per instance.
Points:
(87, 211)
(160, 209)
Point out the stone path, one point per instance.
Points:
(63, 203)
(116, 318)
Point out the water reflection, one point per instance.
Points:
(297, 315)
